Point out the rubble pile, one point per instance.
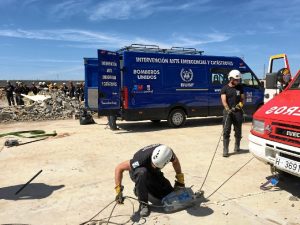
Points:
(59, 106)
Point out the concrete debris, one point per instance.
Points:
(53, 106)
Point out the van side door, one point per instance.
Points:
(253, 92)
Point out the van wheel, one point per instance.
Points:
(155, 121)
(177, 118)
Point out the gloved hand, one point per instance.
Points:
(228, 110)
(240, 105)
(119, 191)
(179, 182)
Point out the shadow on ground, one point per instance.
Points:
(242, 151)
(148, 126)
(290, 184)
(32, 191)
(195, 210)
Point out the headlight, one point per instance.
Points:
(258, 126)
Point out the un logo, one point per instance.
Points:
(186, 75)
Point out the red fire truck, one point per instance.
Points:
(275, 132)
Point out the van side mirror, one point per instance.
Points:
(271, 80)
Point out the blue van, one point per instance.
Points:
(143, 82)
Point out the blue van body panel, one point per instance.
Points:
(160, 82)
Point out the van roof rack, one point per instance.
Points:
(157, 49)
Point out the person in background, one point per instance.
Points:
(71, 90)
(77, 91)
(34, 89)
(18, 92)
(64, 88)
(9, 89)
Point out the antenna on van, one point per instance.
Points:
(157, 49)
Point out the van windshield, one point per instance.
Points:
(296, 84)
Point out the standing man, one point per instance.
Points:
(34, 89)
(232, 96)
(71, 90)
(65, 88)
(9, 89)
(145, 171)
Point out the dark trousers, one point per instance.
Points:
(235, 118)
(19, 99)
(150, 183)
(10, 99)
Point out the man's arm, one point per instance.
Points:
(224, 101)
(176, 165)
(179, 182)
(242, 98)
(119, 171)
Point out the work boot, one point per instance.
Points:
(144, 210)
(237, 145)
(225, 147)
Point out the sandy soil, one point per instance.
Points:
(78, 175)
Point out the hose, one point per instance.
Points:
(32, 134)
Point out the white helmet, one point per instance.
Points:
(161, 156)
(235, 74)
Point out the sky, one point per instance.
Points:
(48, 39)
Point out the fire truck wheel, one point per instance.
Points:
(176, 118)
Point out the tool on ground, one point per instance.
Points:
(85, 117)
(11, 142)
(15, 142)
(273, 181)
(178, 200)
(28, 182)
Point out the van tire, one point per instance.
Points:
(176, 118)
(155, 121)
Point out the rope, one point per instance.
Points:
(107, 220)
(98, 213)
(230, 177)
(211, 162)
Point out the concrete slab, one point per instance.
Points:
(78, 175)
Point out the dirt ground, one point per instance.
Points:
(77, 180)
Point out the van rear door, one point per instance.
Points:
(109, 83)
(91, 83)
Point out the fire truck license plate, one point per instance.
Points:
(287, 164)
